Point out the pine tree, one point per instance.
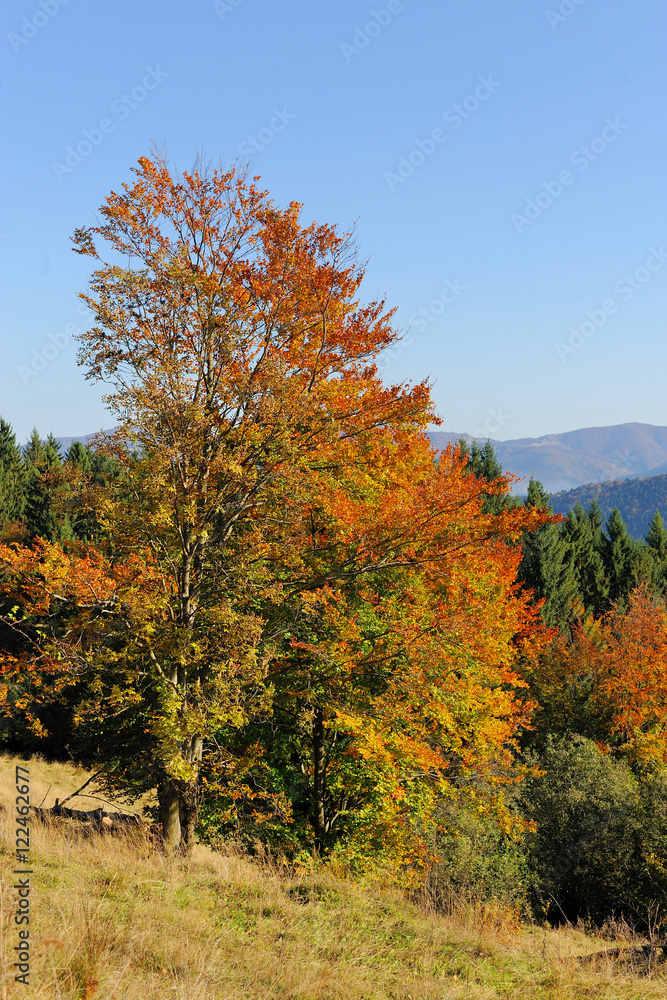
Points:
(547, 566)
(39, 459)
(35, 449)
(644, 571)
(52, 452)
(595, 579)
(656, 538)
(537, 496)
(596, 519)
(619, 557)
(80, 455)
(656, 548)
(12, 477)
(583, 533)
(483, 463)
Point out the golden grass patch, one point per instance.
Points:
(112, 918)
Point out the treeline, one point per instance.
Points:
(34, 480)
(637, 499)
(598, 733)
(580, 566)
(586, 563)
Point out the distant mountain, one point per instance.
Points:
(636, 499)
(592, 455)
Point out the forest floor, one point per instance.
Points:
(110, 917)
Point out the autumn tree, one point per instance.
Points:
(277, 527)
(628, 658)
(394, 683)
(606, 680)
(239, 360)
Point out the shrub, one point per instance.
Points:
(600, 842)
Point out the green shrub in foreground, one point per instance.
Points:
(600, 844)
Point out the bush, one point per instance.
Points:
(600, 843)
(476, 863)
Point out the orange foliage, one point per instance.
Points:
(609, 679)
(630, 668)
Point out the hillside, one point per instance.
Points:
(591, 455)
(112, 918)
(636, 499)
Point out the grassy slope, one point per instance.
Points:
(113, 919)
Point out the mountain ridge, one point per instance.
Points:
(574, 458)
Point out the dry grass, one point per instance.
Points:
(113, 919)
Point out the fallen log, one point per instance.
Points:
(652, 953)
(97, 819)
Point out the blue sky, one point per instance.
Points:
(504, 163)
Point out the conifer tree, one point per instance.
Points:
(80, 455)
(42, 457)
(619, 557)
(643, 569)
(583, 533)
(52, 451)
(595, 580)
(483, 463)
(34, 450)
(12, 477)
(656, 548)
(656, 538)
(547, 566)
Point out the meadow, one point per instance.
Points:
(112, 917)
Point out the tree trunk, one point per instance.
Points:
(189, 798)
(189, 813)
(170, 817)
(319, 789)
